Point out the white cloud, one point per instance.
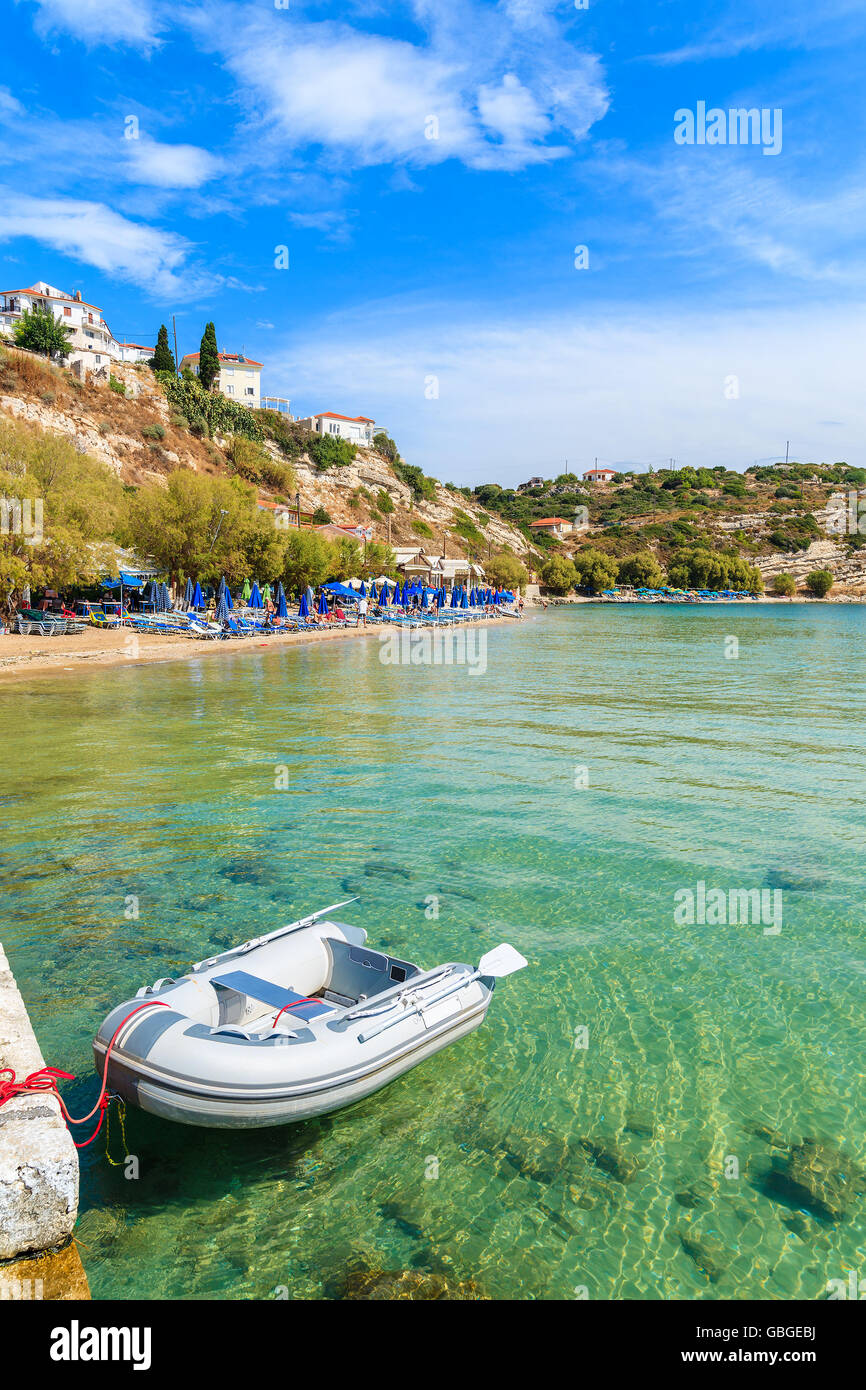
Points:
(114, 22)
(96, 235)
(476, 89)
(171, 166)
(519, 396)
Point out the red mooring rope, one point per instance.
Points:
(46, 1079)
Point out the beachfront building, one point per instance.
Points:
(239, 378)
(358, 429)
(599, 475)
(555, 526)
(91, 340)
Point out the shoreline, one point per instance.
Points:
(106, 648)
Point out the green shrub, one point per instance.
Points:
(180, 422)
(116, 385)
(384, 503)
(421, 528)
(220, 415)
(321, 517)
(784, 585)
(153, 431)
(819, 582)
(330, 451)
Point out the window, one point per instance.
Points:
(97, 358)
(67, 312)
(229, 371)
(251, 390)
(230, 390)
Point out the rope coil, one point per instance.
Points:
(46, 1078)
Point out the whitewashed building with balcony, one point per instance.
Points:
(91, 341)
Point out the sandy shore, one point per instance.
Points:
(36, 655)
(23, 657)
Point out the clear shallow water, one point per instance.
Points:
(158, 782)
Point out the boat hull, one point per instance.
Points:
(173, 1097)
(216, 1049)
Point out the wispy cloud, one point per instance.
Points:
(160, 262)
(520, 395)
(128, 23)
(171, 166)
(475, 89)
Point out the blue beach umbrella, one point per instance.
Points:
(464, 600)
(197, 600)
(323, 604)
(222, 609)
(280, 594)
(222, 588)
(303, 607)
(455, 599)
(373, 595)
(255, 598)
(363, 589)
(282, 610)
(187, 593)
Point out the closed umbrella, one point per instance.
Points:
(383, 596)
(255, 598)
(455, 597)
(244, 595)
(373, 595)
(464, 599)
(187, 594)
(222, 609)
(363, 589)
(323, 604)
(266, 593)
(197, 600)
(282, 610)
(281, 594)
(303, 607)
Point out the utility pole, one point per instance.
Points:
(787, 447)
(176, 358)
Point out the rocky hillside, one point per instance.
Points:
(783, 519)
(129, 425)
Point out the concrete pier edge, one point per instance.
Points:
(38, 1159)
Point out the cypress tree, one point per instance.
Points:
(208, 358)
(163, 358)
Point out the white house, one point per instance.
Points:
(552, 526)
(133, 352)
(533, 482)
(239, 378)
(599, 475)
(91, 340)
(358, 429)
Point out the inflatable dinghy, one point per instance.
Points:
(294, 1024)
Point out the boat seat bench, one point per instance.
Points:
(266, 992)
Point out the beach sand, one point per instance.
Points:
(23, 657)
(37, 655)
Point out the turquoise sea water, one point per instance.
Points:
(607, 758)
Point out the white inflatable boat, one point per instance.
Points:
(293, 1024)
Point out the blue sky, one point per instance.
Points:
(431, 168)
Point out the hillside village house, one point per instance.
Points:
(91, 342)
(358, 429)
(552, 526)
(533, 482)
(599, 475)
(239, 378)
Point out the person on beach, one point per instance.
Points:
(362, 611)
